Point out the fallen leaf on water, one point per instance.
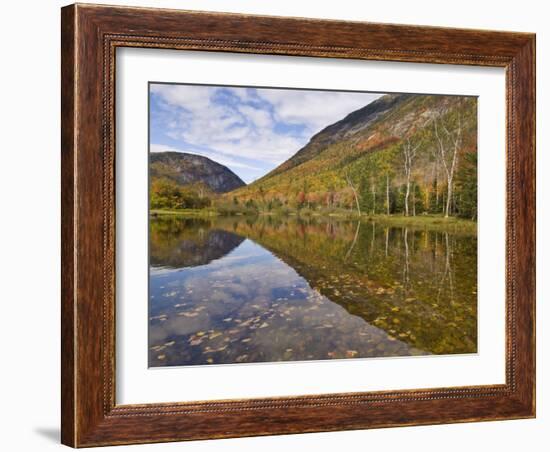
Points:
(188, 314)
(161, 357)
(158, 317)
(209, 350)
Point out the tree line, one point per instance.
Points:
(167, 194)
(431, 171)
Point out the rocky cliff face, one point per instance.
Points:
(189, 169)
(364, 150)
(353, 124)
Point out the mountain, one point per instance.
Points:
(351, 125)
(190, 169)
(177, 244)
(364, 152)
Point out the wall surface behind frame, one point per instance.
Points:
(30, 225)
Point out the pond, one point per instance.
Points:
(267, 289)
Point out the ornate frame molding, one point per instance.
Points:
(90, 37)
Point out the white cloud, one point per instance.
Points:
(192, 97)
(260, 118)
(224, 160)
(258, 124)
(244, 94)
(314, 109)
(238, 130)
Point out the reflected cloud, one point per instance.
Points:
(288, 290)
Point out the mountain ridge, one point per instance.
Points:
(358, 159)
(353, 122)
(190, 169)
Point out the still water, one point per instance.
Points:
(242, 290)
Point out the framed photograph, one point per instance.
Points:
(281, 225)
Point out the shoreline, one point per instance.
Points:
(433, 222)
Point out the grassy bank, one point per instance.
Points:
(431, 222)
(185, 212)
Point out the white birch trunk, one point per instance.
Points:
(448, 154)
(387, 193)
(409, 153)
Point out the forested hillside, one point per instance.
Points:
(402, 154)
(179, 180)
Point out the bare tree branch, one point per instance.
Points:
(354, 193)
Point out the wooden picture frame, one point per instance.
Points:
(90, 36)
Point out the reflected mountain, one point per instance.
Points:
(177, 244)
(301, 290)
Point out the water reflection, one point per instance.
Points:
(231, 290)
(188, 243)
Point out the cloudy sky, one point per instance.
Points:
(250, 130)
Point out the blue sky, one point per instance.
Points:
(249, 130)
